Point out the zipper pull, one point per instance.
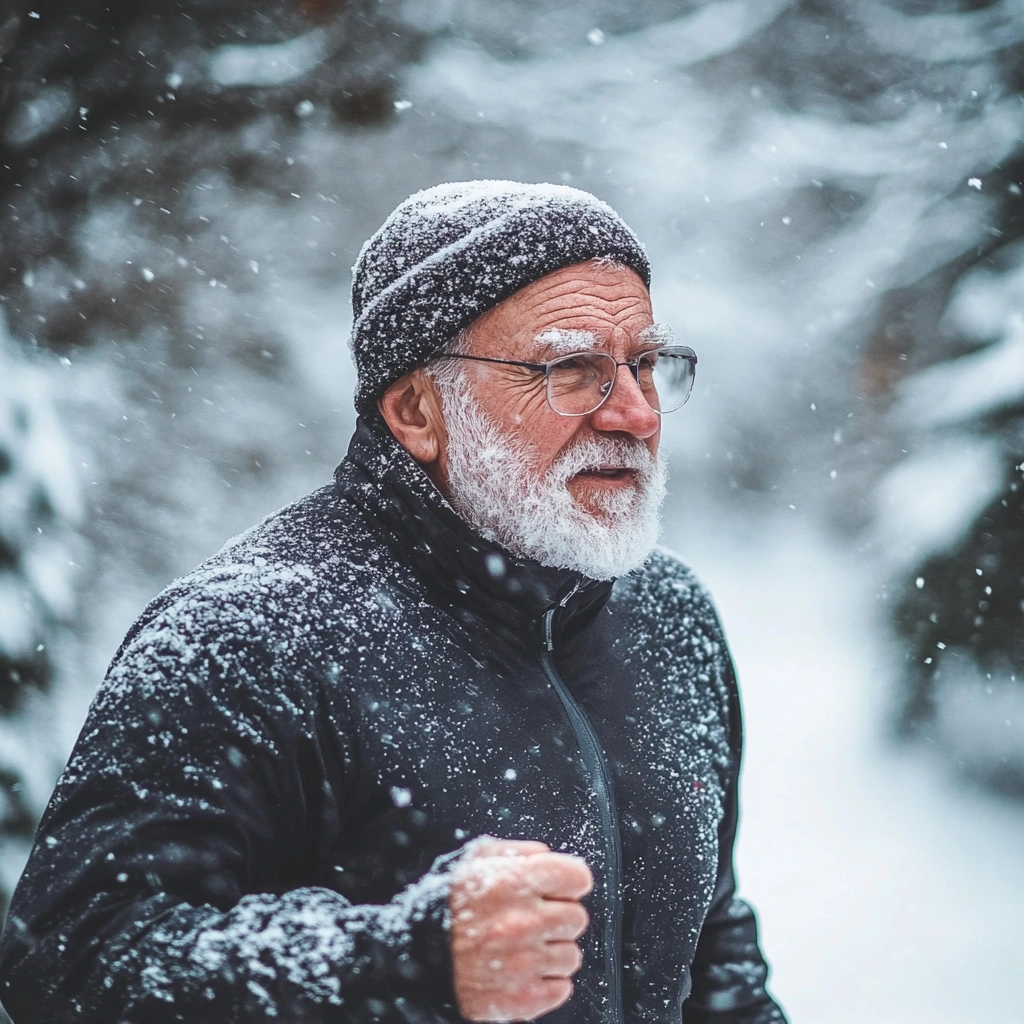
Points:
(549, 616)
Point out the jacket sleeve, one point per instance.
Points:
(160, 886)
(729, 973)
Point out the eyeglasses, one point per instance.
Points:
(580, 383)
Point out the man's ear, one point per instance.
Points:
(411, 407)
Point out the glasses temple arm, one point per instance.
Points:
(539, 367)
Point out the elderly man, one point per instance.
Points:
(449, 738)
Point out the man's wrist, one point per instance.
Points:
(427, 963)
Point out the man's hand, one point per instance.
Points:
(515, 919)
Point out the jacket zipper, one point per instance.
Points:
(601, 782)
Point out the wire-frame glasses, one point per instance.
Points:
(580, 382)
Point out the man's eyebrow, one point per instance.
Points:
(562, 340)
(657, 334)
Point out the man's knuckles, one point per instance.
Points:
(509, 929)
(499, 877)
(555, 921)
(492, 879)
(560, 876)
(514, 927)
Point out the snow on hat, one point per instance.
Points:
(451, 252)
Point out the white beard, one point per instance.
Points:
(493, 488)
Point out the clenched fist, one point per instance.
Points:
(515, 919)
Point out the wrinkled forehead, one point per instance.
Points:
(568, 308)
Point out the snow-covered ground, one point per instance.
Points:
(888, 892)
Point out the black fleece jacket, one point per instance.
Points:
(295, 741)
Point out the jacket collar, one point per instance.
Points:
(475, 575)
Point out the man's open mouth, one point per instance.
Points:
(608, 473)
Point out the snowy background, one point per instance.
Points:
(831, 194)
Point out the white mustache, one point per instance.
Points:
(594, 453)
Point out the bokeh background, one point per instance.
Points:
(831, 195)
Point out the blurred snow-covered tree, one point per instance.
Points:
(39, 506)
(952, 510)
(930, 476)
(942, 367)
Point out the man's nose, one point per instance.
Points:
(626, 410)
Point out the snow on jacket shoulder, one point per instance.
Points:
(295, 741)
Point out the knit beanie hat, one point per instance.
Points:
(451, 252)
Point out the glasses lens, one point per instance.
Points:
(578, 383)
(666, 377)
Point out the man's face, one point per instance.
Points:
(576, 492)
(587, 306)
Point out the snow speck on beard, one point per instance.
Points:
(494, 489)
